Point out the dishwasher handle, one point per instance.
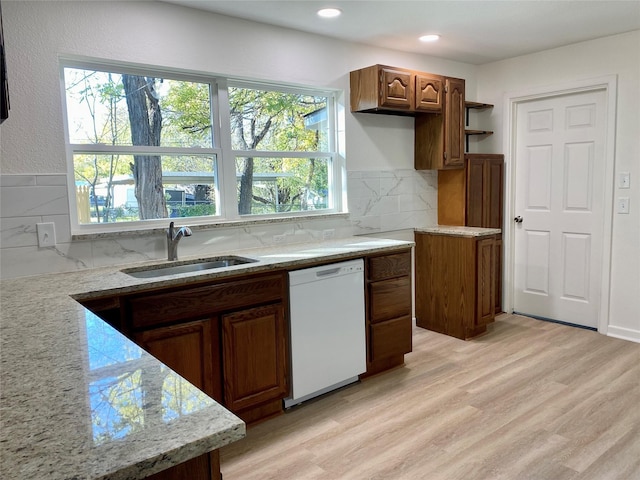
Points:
(327, 272)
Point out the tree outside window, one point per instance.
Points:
(144, 147)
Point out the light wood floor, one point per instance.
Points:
(529, 400)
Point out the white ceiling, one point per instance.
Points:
(476, 32)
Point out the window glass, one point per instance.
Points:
(277, 121)
(106, 187)
(109, 114)
(143, 147)
(118, 109)
(278, 185)
(269, 121)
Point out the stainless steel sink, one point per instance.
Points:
(187, 267)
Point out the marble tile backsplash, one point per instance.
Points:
(379, 201)
(385, 201)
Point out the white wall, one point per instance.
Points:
(379, 149)
(616, 55)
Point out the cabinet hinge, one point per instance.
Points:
(445, 155)
(446, 89)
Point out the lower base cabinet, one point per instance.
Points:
(228, 338)
(455, 283)
(204, 467)
(255, 360)
(388, 310)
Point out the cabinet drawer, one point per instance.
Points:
(389, 299)
(166, 307)
(392, 337)
(389, 266)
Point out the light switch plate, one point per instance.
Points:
(624, 180)
(623, 204)
(46, 234)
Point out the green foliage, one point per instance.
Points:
(262, 120)
(187, 114)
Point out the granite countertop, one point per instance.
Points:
(80, 401)
(459, 231)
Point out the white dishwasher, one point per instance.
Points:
(328, 339)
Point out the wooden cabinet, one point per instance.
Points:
(388, 310)
(474, 197)
(436, 102)
(255, 359)
(228, 338)
(484, 190)
(439, 139)
(455, 283)
(201, 367)
(380, 88)
(398, 91)
(204, 467)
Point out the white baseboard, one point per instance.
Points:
(624, 333)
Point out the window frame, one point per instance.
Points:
(225, 174)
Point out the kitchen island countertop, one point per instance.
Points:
(78, 400)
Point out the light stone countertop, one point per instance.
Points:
(459, 231)
(80, 401)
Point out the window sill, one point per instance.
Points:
(207, 226)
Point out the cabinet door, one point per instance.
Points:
(429, 93)
(254, 356)
(485, 288)
(396, 88)
(454, 123)
(204, 467)
(475, 186)
(190, 349)
(484, 190)
(493, 191)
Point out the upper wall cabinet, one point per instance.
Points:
(398, 91)
(436, 102)
(429, 93)
(439, 139)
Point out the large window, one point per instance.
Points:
(147, 146)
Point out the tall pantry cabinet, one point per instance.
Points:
(474, 197)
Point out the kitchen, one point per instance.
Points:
(379, 149)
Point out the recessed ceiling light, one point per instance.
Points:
(429, 38)
(329, 12)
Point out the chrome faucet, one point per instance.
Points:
(173, 237)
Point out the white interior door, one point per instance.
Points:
(559, 198)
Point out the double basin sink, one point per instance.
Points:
(187, 267)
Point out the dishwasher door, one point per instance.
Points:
(328, 338)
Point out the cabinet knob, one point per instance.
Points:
(518, 219)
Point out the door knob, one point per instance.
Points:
(518, 219)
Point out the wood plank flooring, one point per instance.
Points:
(529, 400)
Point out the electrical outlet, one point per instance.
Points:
(279, 239)
(46, 234)
(623, 204)
(328, 234)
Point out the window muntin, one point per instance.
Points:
(281, 139)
